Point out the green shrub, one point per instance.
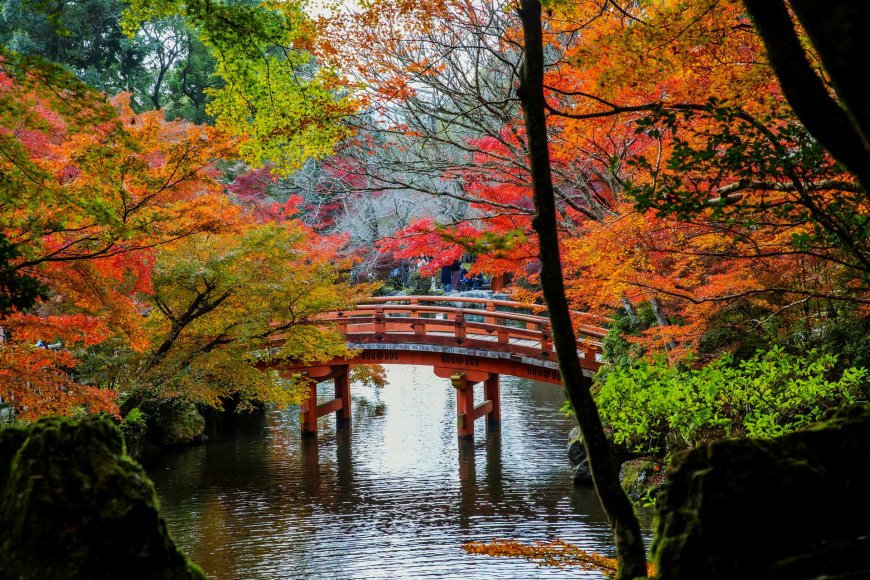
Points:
(654, 407)
(133, 421)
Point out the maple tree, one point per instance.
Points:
(118, 218)
(89, 189)
(219, 299)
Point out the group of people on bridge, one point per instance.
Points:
(456, 277)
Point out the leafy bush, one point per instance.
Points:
(654, 407)
(133, 422)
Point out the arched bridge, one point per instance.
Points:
(468, 340)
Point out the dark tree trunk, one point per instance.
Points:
(838, 30)
(605, 470)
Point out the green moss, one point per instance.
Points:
(73, 505)
(176, 423)
(794, 507)
(11, 440)
(636, 477)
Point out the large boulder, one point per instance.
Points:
(581, 474)
(576, 451)
(73, 505)
(796, 507)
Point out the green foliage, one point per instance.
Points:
(135, 416)
(134, 422)
(846, 333)
(83, 35)
(162, 63)
(655, 407)
(189, 81)
(619, 351)
(271, 93)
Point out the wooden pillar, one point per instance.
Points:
(491, 393)
(490, 307)
(308, 416)
(342, 391)
(464, 406)
(459, 326)
(546, 340)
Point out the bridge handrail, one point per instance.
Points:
(474, 300)
(364, 310)
(424, 324)
(464, 299)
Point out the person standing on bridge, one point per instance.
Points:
(455, 274)
(446, 278)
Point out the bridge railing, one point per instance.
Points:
(474, 322)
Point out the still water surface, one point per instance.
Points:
(394, 497)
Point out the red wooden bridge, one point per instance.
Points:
(468, 340)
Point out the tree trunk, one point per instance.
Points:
(838, 33)
(662, 319)
(632, 313)
(605, 470)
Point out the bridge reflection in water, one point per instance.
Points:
(467, 340)
(393, 496)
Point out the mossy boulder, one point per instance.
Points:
(576, 451)
(639, 476)
(174, 424)
(796, 507)
(74, 505)
(134, 430)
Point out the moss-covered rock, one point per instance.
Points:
(134, 430)
(639, 476)
(73, 505)
(175, 424)
(796, 507)
(581, 473)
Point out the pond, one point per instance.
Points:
(394, 496)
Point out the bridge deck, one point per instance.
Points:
(468, 340)
(485, 329)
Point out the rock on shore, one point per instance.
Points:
(795, 508)
(73, 505)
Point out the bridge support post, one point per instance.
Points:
(308, 415)
(491, 392)
(310, 411)
(466, 412)
(464, 406)
(342, 392)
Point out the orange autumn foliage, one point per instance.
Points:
(90, 209)
(749, 253)
(556, 553)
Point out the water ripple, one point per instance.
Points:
(396, 497)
